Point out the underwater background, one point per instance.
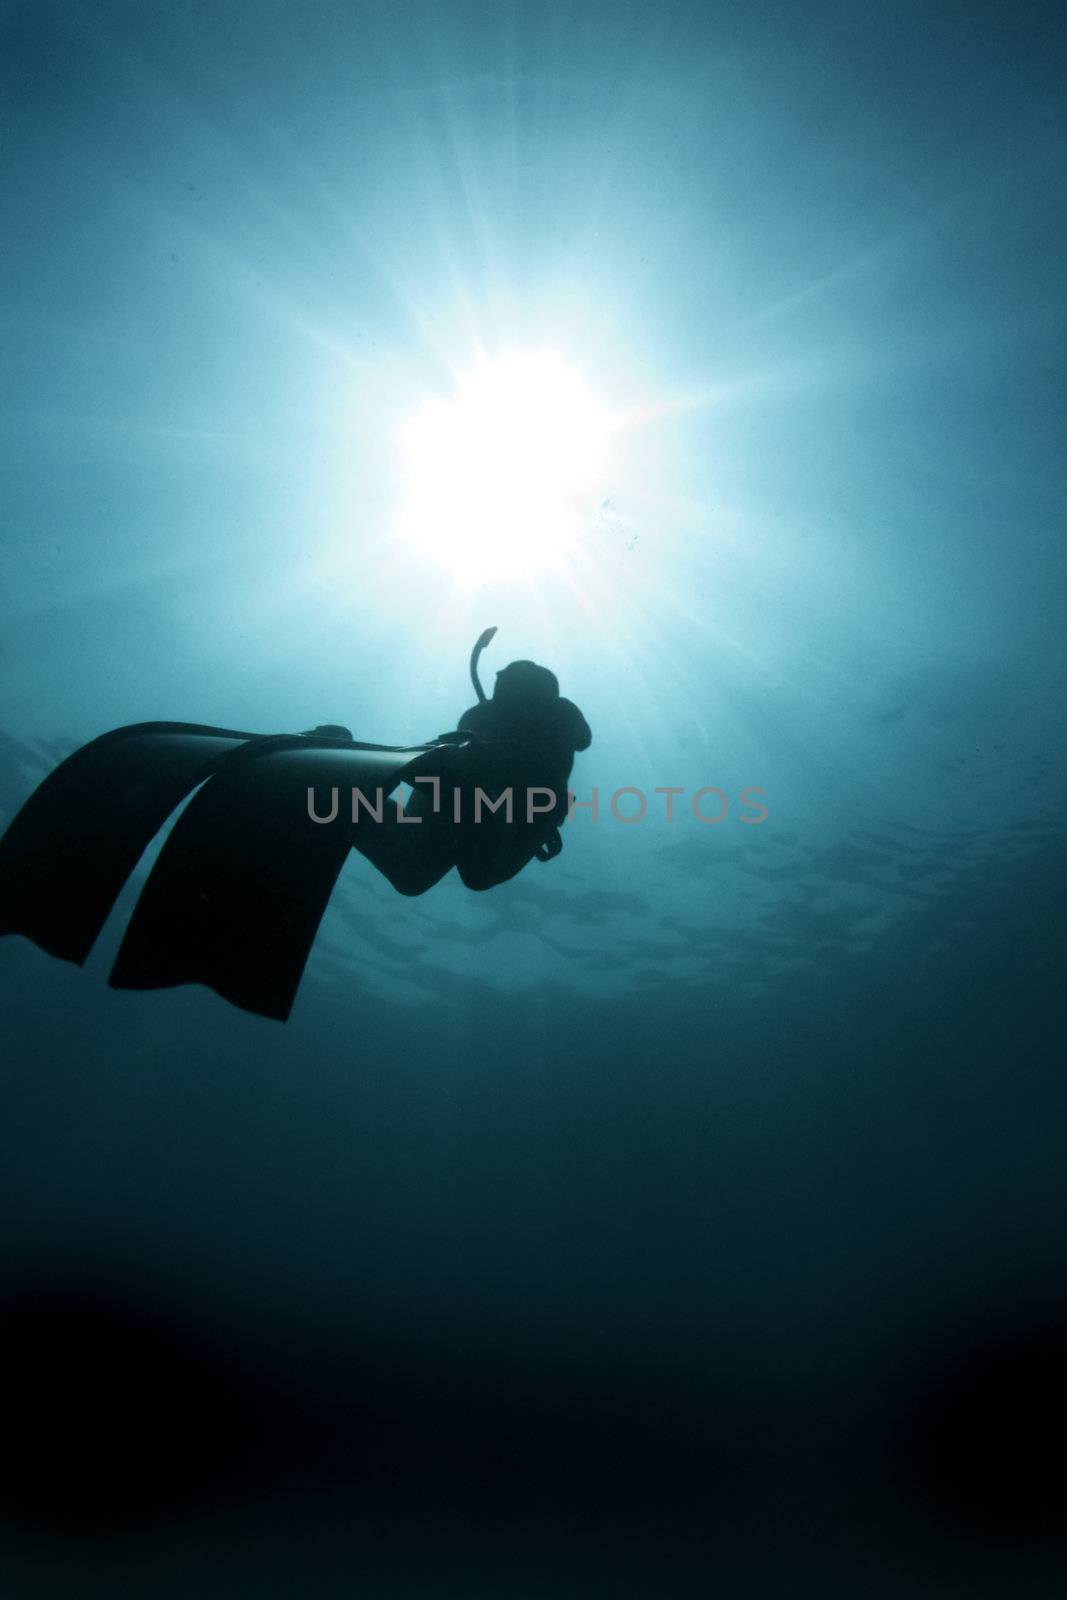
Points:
(689, 1214)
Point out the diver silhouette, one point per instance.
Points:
(239, 888)
(493, 802)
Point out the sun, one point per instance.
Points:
(500, 477)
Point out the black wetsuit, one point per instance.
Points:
(527, 753)
(527, 750)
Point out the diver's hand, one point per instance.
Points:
(550, 849)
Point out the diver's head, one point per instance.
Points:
(524, 686)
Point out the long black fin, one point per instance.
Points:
(240, 887)
(68, 852)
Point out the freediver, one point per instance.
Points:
(236, 894)
(521, 743)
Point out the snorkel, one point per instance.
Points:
(483, 640)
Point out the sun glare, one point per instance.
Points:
(501, 476)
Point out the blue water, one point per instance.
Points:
(689, 1214)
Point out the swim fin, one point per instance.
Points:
(240, 886)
